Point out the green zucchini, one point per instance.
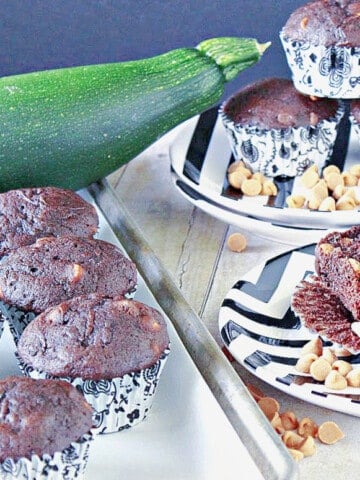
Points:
(70, 127)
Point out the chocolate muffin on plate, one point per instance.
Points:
(30, 213)
(328, 302)
(45, 429)
(321, 40)
(278, 131)
(54, 269)
(111, 349)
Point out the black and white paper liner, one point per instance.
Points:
(282, 152)
(17, 319)
(118, 403)
(68, 464)
(332, 72)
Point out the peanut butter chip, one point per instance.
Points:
(251, 187)
(320, 369)
(313, 346)
(269, 406)
(78, 273)
(353, 378)
(330, 433)
(304, 22)
(335, 381)
(307, 427)
(237, 242)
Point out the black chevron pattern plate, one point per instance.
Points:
(263, 334)
(201, 154)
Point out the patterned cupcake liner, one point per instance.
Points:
(282, 152)
(118, 403)
(68, 464)
(332, 72)
(17, 319)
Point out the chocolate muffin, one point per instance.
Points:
(277, 131)
(321, 41)
(112, 349)
(54, 269)
(30, 213)
(328, 303)
(337, 263)
(42, 422)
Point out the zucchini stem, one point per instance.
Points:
(233, 54)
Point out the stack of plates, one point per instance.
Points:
(200, 155)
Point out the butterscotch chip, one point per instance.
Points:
(338, 192)
(353, 378)
(277, 423)
(289, 420)
(268, 188)
(304, 362)
(295, 201)
(330, 433)
(251, 187)
(355, 264)
(259, 176)
(304, 23)
(355, 170)
(333, 179)
(326, 248)
(310, 177)
(269, 406)
(345, 203)
(350, 180)
(235, 165)
(315, 345)
(308, 447)
(319, 369)
(327, 205)
(255, 392)
(236, 179)
(330, 169)
(237, 242)
(296, 454)
(292, 439)
(335, 381)
(307, 427)
(342, 367)
(329, 355)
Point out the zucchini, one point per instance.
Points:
(72, 126)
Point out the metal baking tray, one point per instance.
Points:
(249, 432)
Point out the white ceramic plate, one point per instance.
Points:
(200, 155)
(261, 332)
(177, 440)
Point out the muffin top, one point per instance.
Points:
(94, 337)
(355, 110)
(40, 416)
(325, 22)
(30, 213)
(275, 103)
(54, 269)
